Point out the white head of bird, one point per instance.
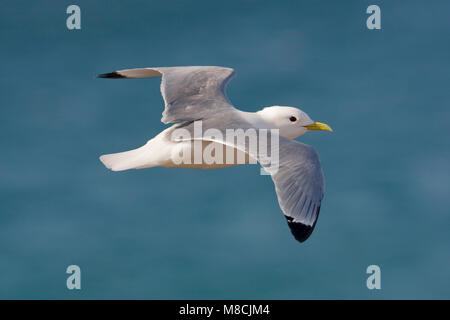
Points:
(292, 122)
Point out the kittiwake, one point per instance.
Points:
(196, 94)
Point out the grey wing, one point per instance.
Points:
(297, 175)
(189, 93)
(299, 185)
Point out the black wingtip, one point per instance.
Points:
(300, 231)
(111, 75)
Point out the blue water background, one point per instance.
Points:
(179, 233)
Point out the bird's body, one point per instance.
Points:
(196, 103)
(159, 152)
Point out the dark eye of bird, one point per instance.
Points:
(293, 119)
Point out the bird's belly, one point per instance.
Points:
(206, 155)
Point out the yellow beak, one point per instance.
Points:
(319, 126)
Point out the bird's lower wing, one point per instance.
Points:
(299, 185)
(296, 173)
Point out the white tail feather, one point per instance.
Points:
(133, 159)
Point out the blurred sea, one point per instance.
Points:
(220, 233)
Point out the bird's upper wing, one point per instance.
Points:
(298, 177)
(189, 93)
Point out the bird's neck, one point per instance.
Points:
(257, 120)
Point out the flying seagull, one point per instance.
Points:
(197, 93)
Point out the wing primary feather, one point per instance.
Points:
(300, 231)
(111, 75)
